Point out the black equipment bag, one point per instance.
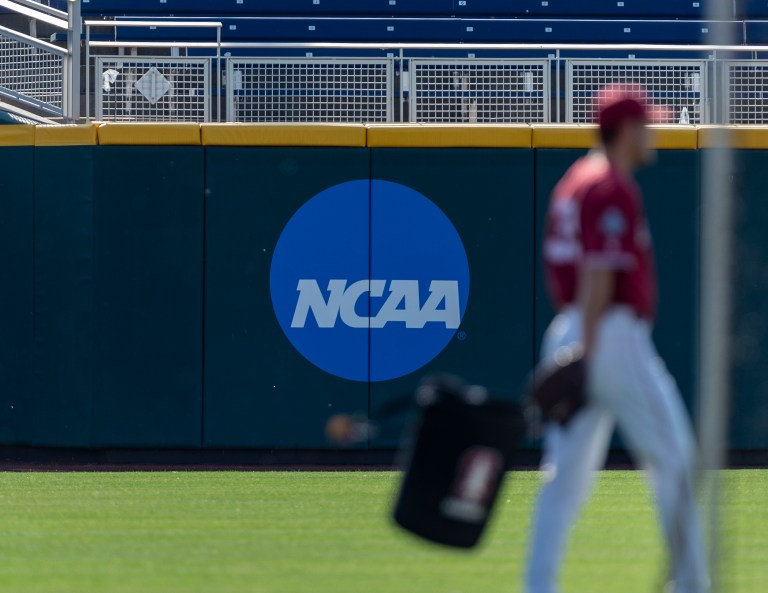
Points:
(456, 460)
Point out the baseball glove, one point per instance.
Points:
(559, 385)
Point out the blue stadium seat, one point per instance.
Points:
(753, 9)
(292, 53)
(492, 8)
(582, 8)
(626, 21)
(309, 29)
(442, 30)
(757, 32)
(443, 8)
(213, 8)
(589, 31)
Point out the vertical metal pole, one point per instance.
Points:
(715, 115)
(557, 84)
(402, 87)
(88, 73)
(66, 85)
(391, 85)
(218, 74)
(74, 33)
(714, 360)
(230, 91)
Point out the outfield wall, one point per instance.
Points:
(137, 309)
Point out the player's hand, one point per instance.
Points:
(559, 386)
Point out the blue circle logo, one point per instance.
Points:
(369, 280)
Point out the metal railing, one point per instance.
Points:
(747, 92)
(490, 83)
(479, 91)
(32, 72)
(39, 75)
(309, 90)
(152, 88)
(680, 87)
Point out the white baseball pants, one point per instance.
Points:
(629, 386)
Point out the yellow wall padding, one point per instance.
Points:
(564, 136)
(150, 134)
(448, 136)
(675, 137)
(20, 135)
(754, 137)
(586, 136)
(74, 135)
(284, 135)
(373, 135)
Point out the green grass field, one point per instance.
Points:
(324, 533)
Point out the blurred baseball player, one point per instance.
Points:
(601, 276)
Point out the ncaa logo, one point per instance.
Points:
(369, 280)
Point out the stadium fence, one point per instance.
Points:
(423, 83)
(39, 75)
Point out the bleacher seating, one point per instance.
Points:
(311, 29)
(255, 88)
(587, 9)
(594, 31)
(756, 32)
(753, 9)
(272, 7)
(626, 9)
(468, 21)
(441, 30)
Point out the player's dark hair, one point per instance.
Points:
(608, 135)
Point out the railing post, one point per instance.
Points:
(88, 73)
(229, 79)
(405, 86)
(713, 91)
(558, 63)
(74, 33)
(219, 75)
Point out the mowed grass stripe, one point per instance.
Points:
(294, 532)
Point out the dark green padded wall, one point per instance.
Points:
(105, 325)
(488, 195)
(749, 404)
(64, 347)
(19, 411)
(672, 191)
(148, 295)
(260, 392)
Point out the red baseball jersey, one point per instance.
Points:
(596, 215)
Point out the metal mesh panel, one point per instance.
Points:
(310, 90)
(153, 89)
(31, 74)
(679, 87)
(747, 92)
(479, 91)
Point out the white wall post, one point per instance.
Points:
(74, 34)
